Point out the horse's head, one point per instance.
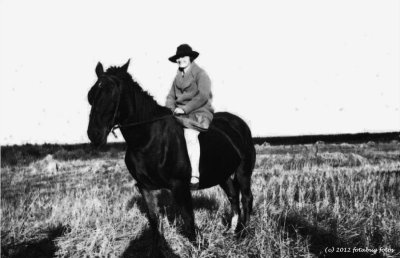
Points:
(104, 97)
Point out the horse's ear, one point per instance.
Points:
(126, 65)
(99, 69)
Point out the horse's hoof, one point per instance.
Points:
(155, 252)
(241, 232)
(192, 238)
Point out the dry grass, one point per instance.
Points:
(306, 198)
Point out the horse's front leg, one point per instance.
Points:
(183, 199)
(153, 215)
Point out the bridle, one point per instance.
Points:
(117, 82)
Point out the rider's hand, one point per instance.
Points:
(179, 111)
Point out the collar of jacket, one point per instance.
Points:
(193, 69)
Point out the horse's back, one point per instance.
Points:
(234, 126)
(226, 145)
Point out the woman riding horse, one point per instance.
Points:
(156, 154)
(190, 100)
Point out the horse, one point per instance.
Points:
(156, 154)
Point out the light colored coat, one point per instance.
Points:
(192, 93)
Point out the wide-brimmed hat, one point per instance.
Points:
(183, 50)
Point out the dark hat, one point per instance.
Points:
(183, 50)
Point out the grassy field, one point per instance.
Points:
(308, 199)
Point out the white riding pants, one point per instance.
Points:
(193, 146)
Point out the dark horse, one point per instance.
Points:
(156, 153)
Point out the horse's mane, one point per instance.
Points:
(146, 107)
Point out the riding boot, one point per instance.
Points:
(193, 147)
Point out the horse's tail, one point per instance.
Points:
(244, 139)
(249, 144)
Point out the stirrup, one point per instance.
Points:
(194, 183)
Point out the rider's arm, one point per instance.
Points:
(170, 102)
(203, 93)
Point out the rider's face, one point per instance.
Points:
(183, 62)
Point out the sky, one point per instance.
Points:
(286, 67)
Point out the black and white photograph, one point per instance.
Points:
(200, 128)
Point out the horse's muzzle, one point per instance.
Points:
(97, 137)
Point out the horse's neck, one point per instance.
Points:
(139, 111)
(126, 108)
(137, 106)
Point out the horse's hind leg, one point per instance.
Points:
(244, 181)
(231, 188)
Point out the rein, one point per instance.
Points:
(119, 126)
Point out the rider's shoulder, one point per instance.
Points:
(196, 70)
